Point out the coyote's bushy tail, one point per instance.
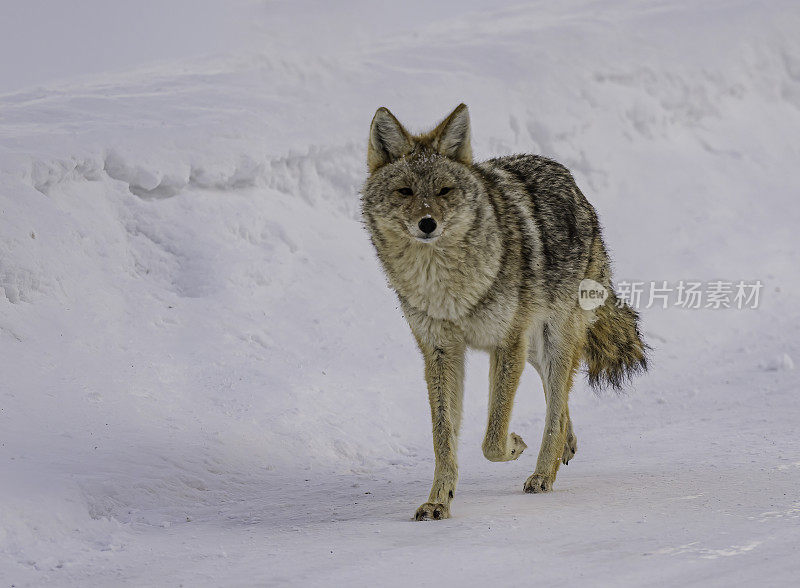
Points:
(614, 349)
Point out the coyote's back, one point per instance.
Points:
(492, 255)
(572, 250)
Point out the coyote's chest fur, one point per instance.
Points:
(451, 283)
(440, 281)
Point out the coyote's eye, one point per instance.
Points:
(444, 191)
(406, 191)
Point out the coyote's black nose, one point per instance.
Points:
(427, 225)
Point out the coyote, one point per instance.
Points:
(490, 256)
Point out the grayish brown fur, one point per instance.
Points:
(514, 237)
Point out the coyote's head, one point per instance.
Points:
(420, 187)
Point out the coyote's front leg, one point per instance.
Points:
(507, 363)
(444, 373)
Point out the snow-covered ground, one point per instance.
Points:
(206, 382)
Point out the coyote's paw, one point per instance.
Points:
(513, 449)
(538, 483)
(517, 445)
(570, 448)
(432, 511)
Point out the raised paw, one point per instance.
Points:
(570, 448)
(513, 449)
(432, 511)
(517, 445)
(538, 483)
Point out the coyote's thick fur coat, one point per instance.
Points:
(490, 256)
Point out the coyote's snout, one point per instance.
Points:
(492, 256)
(427, 229)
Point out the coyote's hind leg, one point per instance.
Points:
(571, 440)
(559, 359)
(571, 443)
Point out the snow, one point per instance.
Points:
(207, 382)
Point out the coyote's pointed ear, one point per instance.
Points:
(452, 137)
(388, 140)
